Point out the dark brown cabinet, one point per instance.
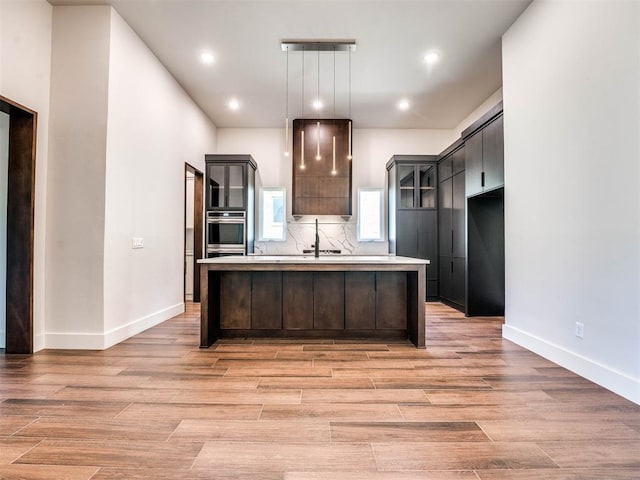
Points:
(321, 167)
(412, 182)
(451, 227)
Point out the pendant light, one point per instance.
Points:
(349, 156)
(286, 119)
(333, 169)
(318, 107)
(302, 165)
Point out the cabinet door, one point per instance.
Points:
(406, 186)
(458, 282)
(493, 154)
(445, 168)
(446, 277)
(457, 161)
(391, 300)
(360, 301)
(473, 164)
(297, 300)
(407, 233)
(216, 186)
(458, 216)
(236, 186)
(266, 300)
(328, 300)
(445, 193)
(428, 240)
(235, 300)
(427, 186)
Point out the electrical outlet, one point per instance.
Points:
(579, 329)
(137, 242)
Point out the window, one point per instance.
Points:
(370, 214)
(272, 214)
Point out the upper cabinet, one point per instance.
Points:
(484, 154)
(229, 181)
(321, 167)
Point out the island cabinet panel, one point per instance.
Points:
(360, 300)
(235, 300)
(266, 300)
(297, 300)
(391, 300)
(328, 301)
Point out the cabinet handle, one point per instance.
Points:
(451, 266)
(452, 241)
(482, 179)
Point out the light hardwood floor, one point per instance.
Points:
(470, 406)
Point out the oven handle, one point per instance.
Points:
(239, 221)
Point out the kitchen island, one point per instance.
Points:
(334, 296)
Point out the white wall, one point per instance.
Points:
(76, 183)
(572, 154)
(25, 77)
(153, 129)
(372, 149)
(4, 165)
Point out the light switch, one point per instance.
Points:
(138, 242)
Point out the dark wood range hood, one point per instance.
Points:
(321, 186)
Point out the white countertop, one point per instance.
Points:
(323, 259)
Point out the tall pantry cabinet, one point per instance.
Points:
(451, 226)
(413, 211)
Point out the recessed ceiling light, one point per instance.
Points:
(234, 104)
(432, 57)
(207, 58)
(317, 104)
(404, 104)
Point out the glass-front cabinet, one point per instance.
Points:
(226, 185)
(413, 214)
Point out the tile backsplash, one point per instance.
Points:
(335, 234)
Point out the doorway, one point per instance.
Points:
(193, 231)
(19, 191)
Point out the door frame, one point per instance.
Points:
(198, 229)
(20, 225)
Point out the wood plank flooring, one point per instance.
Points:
(472, 406)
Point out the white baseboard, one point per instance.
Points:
(117, 335)
(3, 339)
(102, 341)
(618, 382)
(38, 342)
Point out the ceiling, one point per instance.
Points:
(392, 38)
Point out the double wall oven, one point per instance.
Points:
(226, 233)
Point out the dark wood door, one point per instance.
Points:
(391, 300)
(473, 164)
(493, 154)
(360, 301)
(235, 300)
(266, 300)
(297, 300)
(328, 300)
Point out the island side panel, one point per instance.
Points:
(209, 306)
(416, 298)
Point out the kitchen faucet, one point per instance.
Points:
(316, 245)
